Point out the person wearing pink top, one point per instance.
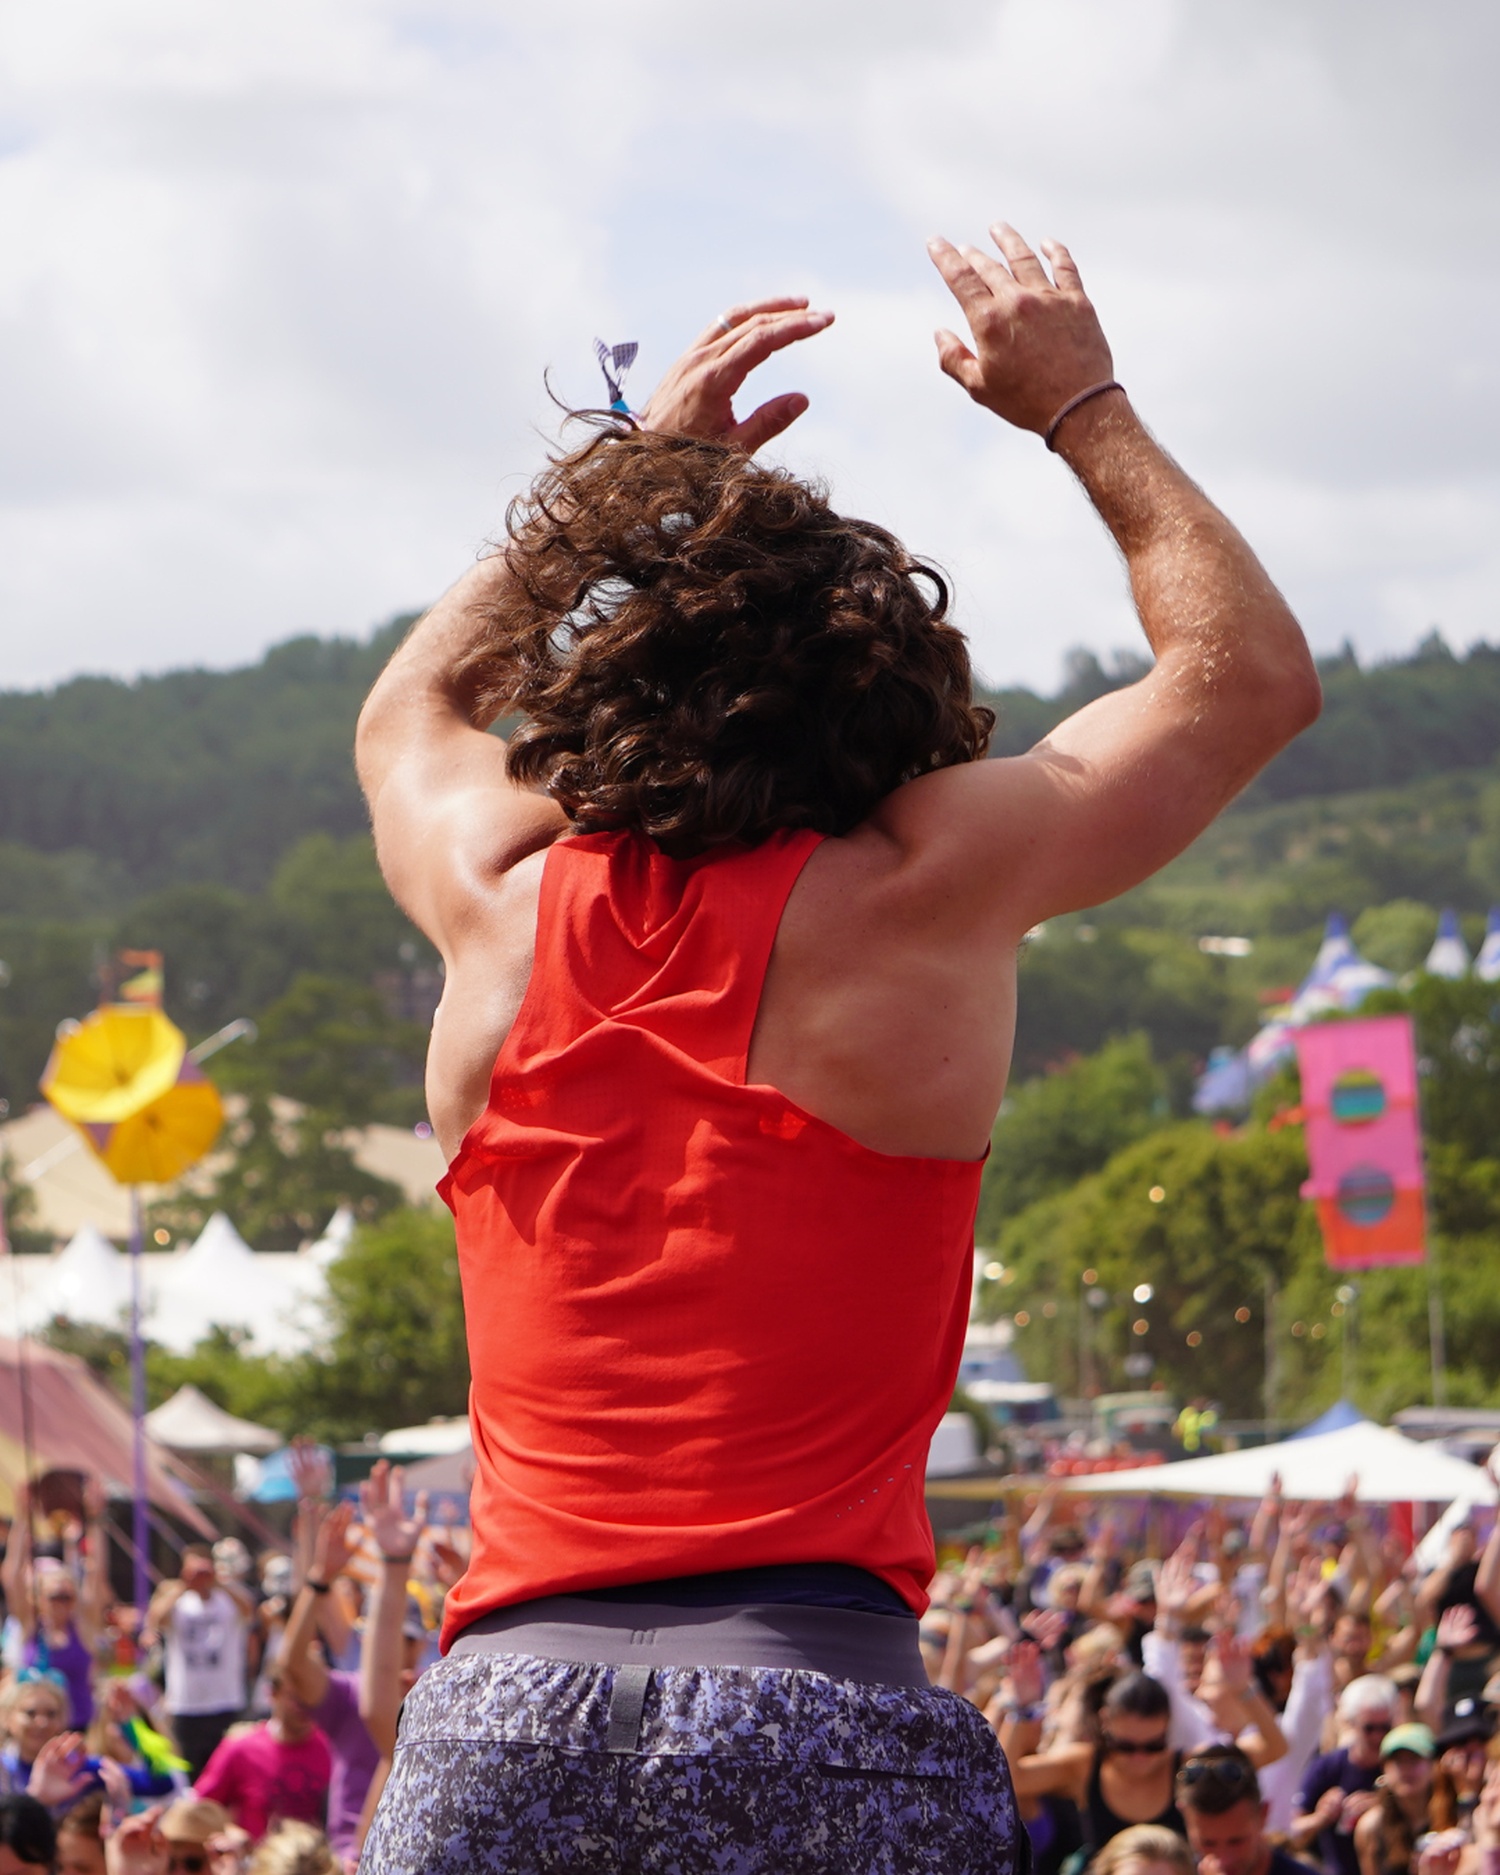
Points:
(271, 1772)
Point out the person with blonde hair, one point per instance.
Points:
(1143, 1849)
(295, 1849)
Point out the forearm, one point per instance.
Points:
(308, 1675)
(380, 1660)
(421, 682)
(1201, 592)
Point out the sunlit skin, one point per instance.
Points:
(1466, 1764)
(1406, 1776)
(1231, 1843)
(1143, 1865)
(11, 1863)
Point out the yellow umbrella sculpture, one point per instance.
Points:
(124, 1077)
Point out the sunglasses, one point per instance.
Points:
(187, 1862)
(1375, 1728)
(1138, 1748)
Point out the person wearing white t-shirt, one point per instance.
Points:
(202, 1621)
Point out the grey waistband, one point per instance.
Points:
(841, 1642)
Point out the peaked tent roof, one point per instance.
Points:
(76, 1424)
(89, 1281)
(191, 1422)
(1339, 1415)
(1390, 1470)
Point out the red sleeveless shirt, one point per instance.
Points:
(707, 1331)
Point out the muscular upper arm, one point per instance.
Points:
(1116, 791)
(448, 820)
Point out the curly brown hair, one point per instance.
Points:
(704, 651)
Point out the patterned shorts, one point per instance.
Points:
(511, 1764)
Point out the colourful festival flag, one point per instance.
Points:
(1364, 1140)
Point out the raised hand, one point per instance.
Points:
(60, 1773)
(333, 1546)
(1458, 1626)
(309, 1469)
(134, 1845)
(1037, 339)
(1046, 1626)
(696, 397)
(1024, 1672)
(382, 1503)
(1227, 1670)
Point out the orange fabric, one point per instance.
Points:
(1399, 1237)
(707, 1330)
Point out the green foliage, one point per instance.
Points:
(397, 1354)
(195, 775)
(1058, 1128)
(1082, 983)
(18, 1208)
(1230, 1214)
(332, 1046)
(1396, 936)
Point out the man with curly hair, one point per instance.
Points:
(730, 928)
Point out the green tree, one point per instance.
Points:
(332, 1046)
(396, 1353)
(1059, 1127)
(1203, 1220)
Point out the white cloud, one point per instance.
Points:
(282, 278)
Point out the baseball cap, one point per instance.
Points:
(1409, 1737)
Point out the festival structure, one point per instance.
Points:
(124, 1077)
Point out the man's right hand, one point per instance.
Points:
(1037, 340)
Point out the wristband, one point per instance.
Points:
(406, 1556)
(318, 1588)
(1026, 1715)
(1049, 435)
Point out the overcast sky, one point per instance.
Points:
(279, 280)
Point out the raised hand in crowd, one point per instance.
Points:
(134, 1845)
(61, 1772)
(383, 1673)
(315, 1612)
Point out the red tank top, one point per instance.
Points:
(707, 1331)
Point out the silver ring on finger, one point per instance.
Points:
(726, 324)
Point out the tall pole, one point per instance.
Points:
(1436, 1339)
(140, 1528)
(1271, 1388)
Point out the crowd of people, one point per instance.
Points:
(1292, 1689)
(243, 1724)
(1279, 1692)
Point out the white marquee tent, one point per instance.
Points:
(216, 1281)
(1390, 1470)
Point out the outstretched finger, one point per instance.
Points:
(758, 339)
(774, 416)
(737, 315)
(963, 282)
(1065, 273)
(1023, 262)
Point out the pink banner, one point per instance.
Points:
(1364, 1142)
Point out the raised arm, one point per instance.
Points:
(448, 820)
(15, 1571)
(381, 1685)
(1120, 788)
